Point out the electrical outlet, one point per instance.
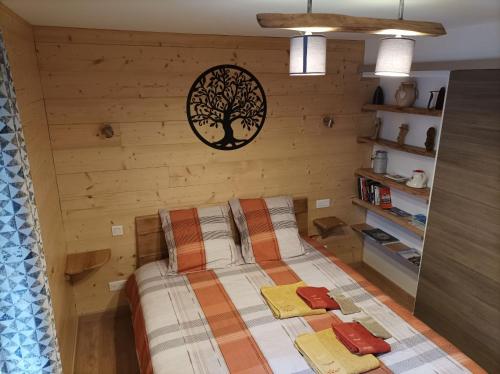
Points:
(117, 285)
(117, 230)
(324, 203)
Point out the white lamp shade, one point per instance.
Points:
(394, 57)
(308, 55)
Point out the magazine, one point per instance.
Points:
(381, 236)
(396, 177)
(411, 255)
(399, 212)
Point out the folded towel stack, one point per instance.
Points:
(317, 298)
(285, 303)
(359, 340)
(325, 354)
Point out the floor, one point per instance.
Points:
(106, 341)
(106, 344)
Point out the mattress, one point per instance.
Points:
(217, 321)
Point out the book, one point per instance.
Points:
(399, 212)
(396, 177)
(419, 220)
(381, 236)
(385, 197)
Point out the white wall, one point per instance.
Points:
(461, 43)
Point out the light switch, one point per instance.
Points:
(117, 230)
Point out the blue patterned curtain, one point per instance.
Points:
(28, 342)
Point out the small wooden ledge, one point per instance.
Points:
(407, 110)
(394, 145)
(78, 263)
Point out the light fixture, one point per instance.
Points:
(395, 54)
(326, 22)
(308, 52)
(308, 55)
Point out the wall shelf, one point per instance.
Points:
(407, 110)
(78, 263)
(403, 222)
(394, 145)
(390, 249)
(421, 193)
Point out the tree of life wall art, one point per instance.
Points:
(226, 107)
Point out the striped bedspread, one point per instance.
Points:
(217, 321)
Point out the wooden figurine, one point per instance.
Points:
(403, 131)
(376, 128)
(431, 139)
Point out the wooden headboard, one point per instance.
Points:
(150, 240)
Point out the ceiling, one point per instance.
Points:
(235, 17)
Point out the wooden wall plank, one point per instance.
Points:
(80, 36)
(459, 287)
(138, 83)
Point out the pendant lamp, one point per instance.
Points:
(308, 55)
(308, 52)
(395, 54)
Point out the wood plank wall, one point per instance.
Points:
(459, 287)
(20, 46)
(138, 82)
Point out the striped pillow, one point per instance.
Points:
(199, 239)
(268, 228)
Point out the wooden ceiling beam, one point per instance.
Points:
(342, 23)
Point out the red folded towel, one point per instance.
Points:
(317, 298)
(359, 340)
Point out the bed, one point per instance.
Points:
(216, 321)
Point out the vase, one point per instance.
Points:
(406, 94)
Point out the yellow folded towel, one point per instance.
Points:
(285, 303)
(325, 354)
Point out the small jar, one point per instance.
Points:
(380, 162)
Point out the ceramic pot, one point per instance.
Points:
(418, 179)
(406, 94)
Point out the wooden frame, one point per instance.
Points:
(150, 240)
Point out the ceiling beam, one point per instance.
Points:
(342, 23)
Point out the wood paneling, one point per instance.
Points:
(138, 82)
(19, 41)
(459, 287)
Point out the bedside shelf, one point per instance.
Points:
(421, 193)
(408, 110)
(390, 249)
(394, 145)
(403, 222)
(78, 263)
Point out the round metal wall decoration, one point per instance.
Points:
(226, 107)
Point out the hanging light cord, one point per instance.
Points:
(309, 6)
(401, 9)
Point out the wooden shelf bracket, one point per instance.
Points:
(78, 263)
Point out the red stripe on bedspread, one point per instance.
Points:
(418, 325)
(240, 351)
(141, 337)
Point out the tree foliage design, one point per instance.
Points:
(226, 96)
